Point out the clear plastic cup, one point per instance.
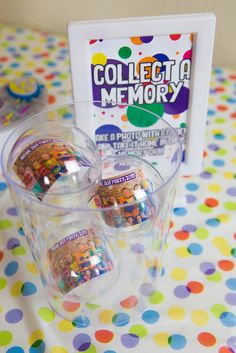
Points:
(97, 229)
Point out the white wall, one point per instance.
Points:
(53, 16)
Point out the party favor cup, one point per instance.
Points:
(96, 229)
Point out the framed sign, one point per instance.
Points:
(161, 64)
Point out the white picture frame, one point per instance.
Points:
(110, 33)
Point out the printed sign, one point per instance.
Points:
(78, 258)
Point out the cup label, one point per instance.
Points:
(44, 161)
(129, 188)
(78, 258)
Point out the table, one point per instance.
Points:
(194, 309)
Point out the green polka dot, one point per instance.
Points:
(204, 208)
(92, 349)
(92, 306)
(3, 282)
(139, 330)
(30, 37)
(201, 233)
(233, 252)
(221, 152)
(220, 120)
(63, 76)
(218, 309)
(5, 223)
(46, 314)
(230, 206)
(225, 97)
(19, 250)
(144, 118)
(183, 125)
(5, 44)
(211, 170)
(156, 297)
(214, 277)
(125, 52)
(5, 338)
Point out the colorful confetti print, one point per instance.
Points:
(194, 307)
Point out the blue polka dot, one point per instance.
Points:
(180, 211)
(15, 349)
(21, 231)
(177, 341)
(120, 319)
(81, 321)
(14, 65)
(109, 351)
(213, 222)
(192, 186)
(195, 249)
(68, 116)
(219, 136)
(3, 186)
(217, 70)
(28, 289)
(38, 347)
(228, 319)
(150, 316)
(218, 163)
(56, 84)
(11, 268)
(231, 283)
(211, 112)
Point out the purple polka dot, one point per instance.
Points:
(137, 248)
(206, 175)
(231, 191)
(129, 340)
(146, 39)
(146, 289)
(13, 316)
(12, 243)
(231, 341)
(230, 298)
(213, 147)
(207, 268)
(189, 228)
(181, 292)
(82, 342)
(12, 211)
(191, 198)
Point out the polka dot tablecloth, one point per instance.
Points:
(194, 307)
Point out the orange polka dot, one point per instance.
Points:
(226, 265)
(104, 336)
(220, 89)
(176, 116)
(191, 37)
(147, 59)
(177, 53)
(70, 306)
(232, 77)
(129, 302)
(124, 117)
(40, 70)
(182, 235)
(51, 99)
(210, 202)
(206, 339)
(222, 108)
(225, 349)
(195, 287)
(1, 255)
(233, 115)
(205, 154)
(49, 77)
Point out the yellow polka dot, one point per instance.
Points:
(35, 336)
(31, 267)
(225, 250)
(234, 124)
(228, 175)
(233, 138)
(99, 58)
(65, 325)
(224, 218)
(58, 349)
(216, 131)
(219, 241)
(105, 316)
(214, 187)
(16, 289)
(161, 339)
(30, 64)
(179, 274)
(0, 309)
(211, 100)
(176, 312)
(222, 245)
(199, 317)
(233, 160)
(121, 244)
(182, 252)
